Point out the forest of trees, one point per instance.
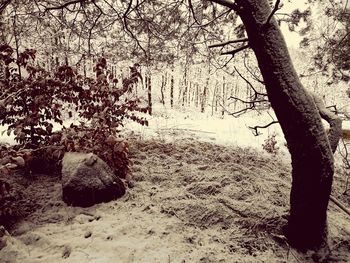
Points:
(57, 57)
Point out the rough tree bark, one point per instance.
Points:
(312, 158)
(334, 121)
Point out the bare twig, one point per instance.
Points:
(238, 113)
(335, 110)
(65, 5)
(248, 102)
(251, 72)
(254, 100)
(229, 42)
(273, 12)
(93, 26)
(214, 19)
(256, 93)
(192, 11)
(255, 128)
(233, 52)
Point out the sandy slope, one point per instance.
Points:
(193, 202)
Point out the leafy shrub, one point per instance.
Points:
(270, 144)
(31, 105)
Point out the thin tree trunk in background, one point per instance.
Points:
(184, 88)
(204, 95)
(84, 66)
(223, 96)
(312, 158)
(197, 95)
(236, 95)
(215, 99)
(189, 94)
(149, 93)
(232, 92)
(17, 45)
(172, 91)
(162, 90)
(185, 94)
(193, 100)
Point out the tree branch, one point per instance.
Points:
(255, 128)
(128, 9)
(273, 12)
(192, 11)
(247, 102)
(3, 5)
(335, 122)
(251, 73)
(65, 5)
(93, 26)
(214, 19)
(233, 52)
(256, 93)
(226, 3)
(238, 113)
(228, 42)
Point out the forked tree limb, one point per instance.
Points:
(273, 12)
(192, 11)
(335, 122)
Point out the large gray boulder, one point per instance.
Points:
(88, 180)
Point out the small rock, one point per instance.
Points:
(131, 183)
(137, 162)
(151, 231)
(88, 234)
(204, 167)
(67, 250)
(83, 218)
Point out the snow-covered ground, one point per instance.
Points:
(165, 123)
(205, 191)
(225, 130)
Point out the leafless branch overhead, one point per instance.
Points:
(226, 3)
(65, 5)
(228, 42)
(235, 51)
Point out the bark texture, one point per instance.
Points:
(334, 121)
(312, 158)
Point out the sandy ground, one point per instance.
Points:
(193, 201)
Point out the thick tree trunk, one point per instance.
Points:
(312, 158)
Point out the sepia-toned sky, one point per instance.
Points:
(292, 38)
